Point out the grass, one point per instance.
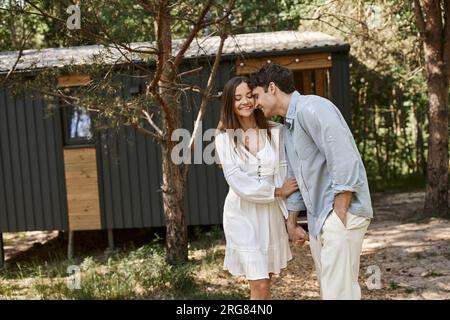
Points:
(131, 273)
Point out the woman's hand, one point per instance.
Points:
(289, 186)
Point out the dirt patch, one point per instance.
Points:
(50, 245)
(19, 244)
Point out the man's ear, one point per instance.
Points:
(272, 88)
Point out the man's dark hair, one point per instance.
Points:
(271, 72)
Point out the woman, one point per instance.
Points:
(251, 153)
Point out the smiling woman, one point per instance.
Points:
(237, 100)
(243, 99)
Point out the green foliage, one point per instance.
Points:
(264, 16)
(119, 21)
(388, 88)
(115, 21)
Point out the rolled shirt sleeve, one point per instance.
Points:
(333, 138)
(246, 187)
(294, 202)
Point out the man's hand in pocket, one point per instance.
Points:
(342, 215)
(341, 204)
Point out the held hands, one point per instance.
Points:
(289, 186)
(297, 234)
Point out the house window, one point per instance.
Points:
(78, 126)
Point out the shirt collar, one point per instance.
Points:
(290, 114)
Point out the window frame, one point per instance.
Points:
(75, 142)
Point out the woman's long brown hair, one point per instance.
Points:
(228, 118)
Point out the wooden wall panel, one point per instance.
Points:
(73, 80)
(298, 62)
(319, 82)
(307, 88)
(82, 189)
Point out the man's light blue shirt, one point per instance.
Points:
(323, 157)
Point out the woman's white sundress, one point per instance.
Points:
(253, 219)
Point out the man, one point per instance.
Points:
(323, 157)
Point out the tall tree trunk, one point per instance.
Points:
(172, 177)
(436, 198)
(433, 20)
(173, 201)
